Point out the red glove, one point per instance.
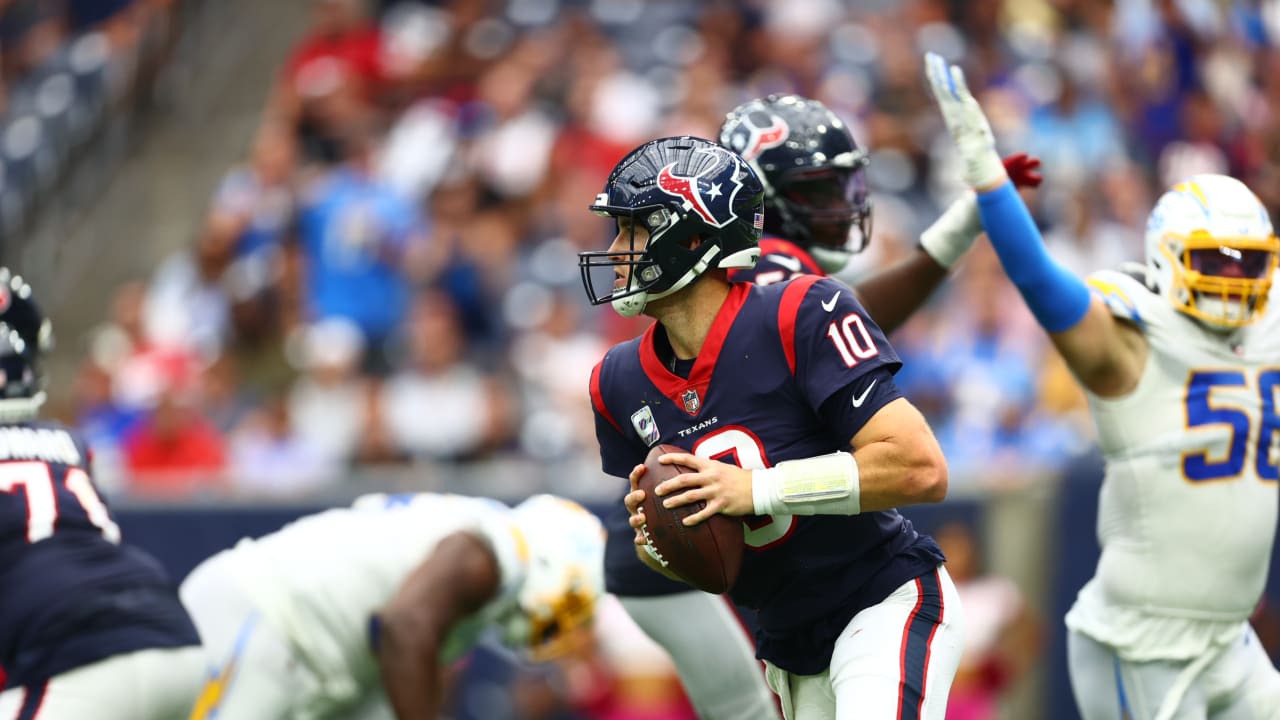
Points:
(1024, 170)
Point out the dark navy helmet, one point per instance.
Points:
(674, 190)
(814, 174)
(25, 335)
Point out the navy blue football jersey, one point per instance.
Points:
(70, 593)
(788, 371)
(780, 260)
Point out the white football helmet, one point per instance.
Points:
(1211, 250)
(564, 575)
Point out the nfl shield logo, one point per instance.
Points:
(691, 401)
(646, 427)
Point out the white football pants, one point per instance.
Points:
(711, 651)
(894, 660)
(1236, 683)
(155, 684)
(249, 669)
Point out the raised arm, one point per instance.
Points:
(1104, 353)
(892, 294)
(456, 581)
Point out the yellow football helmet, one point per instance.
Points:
(1211, 250)
(564, 575)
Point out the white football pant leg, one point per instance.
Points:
(802, 696)
(155, 684)
(250, 669)
(1106, 687)
(711, 653)
(895, 660)
(1246, 681)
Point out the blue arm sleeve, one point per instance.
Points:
(1057, 298)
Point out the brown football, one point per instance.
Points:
(708, 555)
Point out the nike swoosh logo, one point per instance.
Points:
(857, 401)
(785, 261)
(830, 305)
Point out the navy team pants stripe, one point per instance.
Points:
(32, 701)
(922, 623)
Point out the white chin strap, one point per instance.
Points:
(632, 305)
(20, 409)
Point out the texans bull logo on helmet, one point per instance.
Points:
(690, 188)
(757, 139)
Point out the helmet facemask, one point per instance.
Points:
(645, 278)
(542, 625)
(1223, 282)
(826, 208)
(563, 576)
(682, 206)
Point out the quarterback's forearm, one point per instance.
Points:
(901, 471)
(899, 459)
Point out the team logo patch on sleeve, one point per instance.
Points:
(646, 427)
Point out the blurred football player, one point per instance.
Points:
(354, 612)
(769, 387)
(817, 215)
(817, 209)
(89, 628)
(1178, 360)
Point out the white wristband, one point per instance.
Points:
(822, 485)
(953, 233)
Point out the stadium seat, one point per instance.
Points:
(53, 103)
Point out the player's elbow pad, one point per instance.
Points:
(822, 485)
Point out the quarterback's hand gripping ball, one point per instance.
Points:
(707, 555)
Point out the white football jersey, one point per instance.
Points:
(1187, 512)
(319, 580)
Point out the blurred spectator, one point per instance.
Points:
(31, 31)
(327, 404)
(1076, 134)
(332, 78)
(1085, 240)
(504, 119)
(989, 366)
(353, 235)
(268, 458)
(551, 359)
(175, 450)
(141, 368)
(253, 211)
(1002, 637)
(223, 395)
(439, 406)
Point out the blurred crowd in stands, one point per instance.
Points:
(69, 71)
(389, 274)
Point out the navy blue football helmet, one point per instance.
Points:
(25, 335)
(814, 174)
(675, 189)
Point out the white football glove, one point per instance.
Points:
(967, 124)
